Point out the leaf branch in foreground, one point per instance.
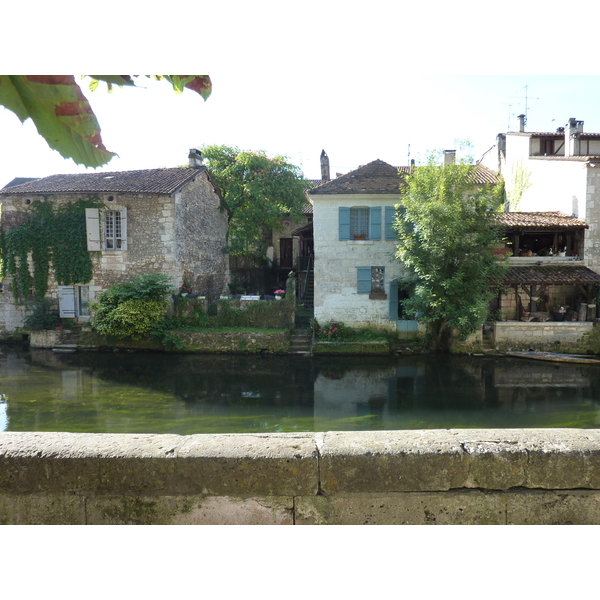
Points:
(64, 117)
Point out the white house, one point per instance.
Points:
(553, 171)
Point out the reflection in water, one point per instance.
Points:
(155, 393)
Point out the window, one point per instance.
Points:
(73, 301)
(370, 279)
(83, 299)
(360, 222)
(107, 231)
(112, 230)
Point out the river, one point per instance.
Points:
(185, 394)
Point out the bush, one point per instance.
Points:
(43, 316)
(133, 308)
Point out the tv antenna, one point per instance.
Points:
(527, 98)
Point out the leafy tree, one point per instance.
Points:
(64, 117)
(447, 229)
(257, 192)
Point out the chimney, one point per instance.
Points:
(522, 121)
(573, 131)
(195, 157)
(449, 157)
(324, 167)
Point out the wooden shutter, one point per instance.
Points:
(124, 228)
(344, 222)
(66, 301)
(375, 233)
(92, 228)
(393, 301)
(390, 214)
(363, 280)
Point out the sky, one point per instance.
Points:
(395, 121)
(363, 82)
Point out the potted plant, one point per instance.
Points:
(360, 236)
(279, 294)
(377, 293)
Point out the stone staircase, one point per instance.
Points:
(300, 341)
(487, 337)
(309, 296)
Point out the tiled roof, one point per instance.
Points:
(539, 220)
(551, 275)
(307, 209)
(379, 177)
(157, 181)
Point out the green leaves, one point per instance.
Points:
(52, 237)
(64, 117)
(257, 191)
(446, 230)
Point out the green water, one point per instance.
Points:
(184, 394)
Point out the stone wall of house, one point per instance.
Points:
(541, 333)
(201, 239)
(592, 218)
(289, 225)
(461, 476)
(336, 262)
(181, 236)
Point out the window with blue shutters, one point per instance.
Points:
(369, 279)
(360, 222)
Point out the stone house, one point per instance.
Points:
(155, 220)
(356, 274)
(354, 242)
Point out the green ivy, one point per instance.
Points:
(51, 237)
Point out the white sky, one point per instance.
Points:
(360, 81)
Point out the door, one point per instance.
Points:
(286, 258)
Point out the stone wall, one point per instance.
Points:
(535, 334)
(535, 476)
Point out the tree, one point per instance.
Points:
(64, 117)
(447, 230)
(257, 192)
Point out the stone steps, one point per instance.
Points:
(300, 341)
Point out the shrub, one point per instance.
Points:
(43, 316)
(133, 308)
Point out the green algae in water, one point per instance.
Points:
(186, 394)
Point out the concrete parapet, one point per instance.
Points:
(520, 476)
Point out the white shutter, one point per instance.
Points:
(66, 301)
(92, 227)
(124, 228)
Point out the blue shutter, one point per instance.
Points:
(390, 213)
(363, 282)
(393, 301)
(375, 223)
(344, 218)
